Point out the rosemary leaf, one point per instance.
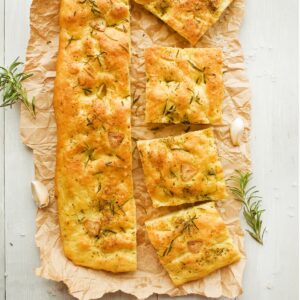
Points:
(187, 226)
(169, 248)
(70, 40)
(252, 210)
(93, 6)
(195, 67)
(11, 85)
(187, 129)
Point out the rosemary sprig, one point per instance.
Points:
(168, 110)
(195, 67)
(169, 248)
(11, 85)
(251, 201)
(93, 5)
(186, 227)
(70, 40)
(112, 206)
(97, 57)
(202, 77)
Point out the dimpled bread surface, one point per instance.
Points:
(92, 105)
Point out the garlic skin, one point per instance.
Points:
(40, 194)
(236, 131)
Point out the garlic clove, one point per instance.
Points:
(40, 194)
(236, 131)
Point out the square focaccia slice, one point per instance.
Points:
(184, 85)
(192, 243)
(182, 169)
(190, 18)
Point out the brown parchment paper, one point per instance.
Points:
(40, 136)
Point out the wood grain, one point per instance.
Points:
(2, 206)
(269, 38)
(21, 254)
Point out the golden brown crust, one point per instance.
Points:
(92, 106)
(184, 85)
(192, 243)
(182, 169)
(190, 18)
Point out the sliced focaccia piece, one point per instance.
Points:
(190, 18)
(184, 85)
(192, 243)
(182, 169)
(94, 187)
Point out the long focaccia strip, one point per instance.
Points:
(92, 106)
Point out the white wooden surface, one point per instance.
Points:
(269, 38)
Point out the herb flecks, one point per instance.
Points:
(211, 172)
(169, 248)
(104, 233)
(99, 187)
(93, 6)
(112, 206)
(115, 40)
(13, 90)
(202, 77)
(162, 7)
(97, 57)
(195, 67)
(186, 227)
(121, 29)
(90, 155)
(177, 148)
(89, 122)
(195, 98)
(252, 210)
(70, 40)
(190, 223)
(123, 47)
(169, 109)
(87, 91)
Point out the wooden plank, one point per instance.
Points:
(19, 209)
(2, 139)
(21, 253)
(269, 37)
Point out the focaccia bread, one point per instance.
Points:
(92, 106)
(184, 85)
(182, 169)
(192, 243)
(190, 18)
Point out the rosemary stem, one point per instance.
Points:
(251, 203)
